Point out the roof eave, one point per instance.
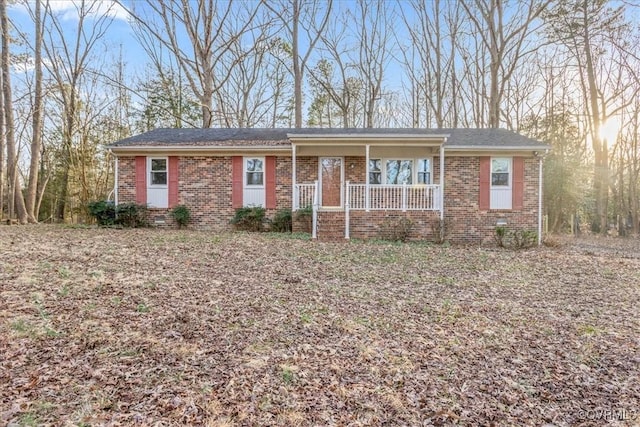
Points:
(298, 137)
(497, 148)
(183, 148)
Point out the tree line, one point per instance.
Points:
(558, 71)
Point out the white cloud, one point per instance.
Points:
(68, 10)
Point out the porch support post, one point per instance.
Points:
(115, 184)
(314, 217)
(540, 201)
(442, 179)
(294, 193)
(366, 177)
(346, 211)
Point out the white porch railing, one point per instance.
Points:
(304, 196)
(393, 197)
(379, 197)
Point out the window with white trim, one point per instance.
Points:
(158, 171)
(500, 172)
(254, 191)
(400, 171)
(501, 178)
(375, 171)
(254, 171)
(424, 171)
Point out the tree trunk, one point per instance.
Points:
(14, 197)
(2, 143)
(601, 165)
(36, 142)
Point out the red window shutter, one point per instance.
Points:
(141, 180)
(236, 181)
(484, 198)
(271, 182)
(173, 181)
(518, 183)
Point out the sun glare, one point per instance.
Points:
(609, 130)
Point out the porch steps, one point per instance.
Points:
(331, 226)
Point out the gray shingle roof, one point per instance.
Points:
(277, 138)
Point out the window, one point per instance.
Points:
(399, 171)
(158, 171)
(424, 171)
(500, 172)
(375, 171)
(254, 171)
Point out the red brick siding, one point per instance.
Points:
(205, 187)
(472, 225)
(126, 179)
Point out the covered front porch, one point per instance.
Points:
(345, 173)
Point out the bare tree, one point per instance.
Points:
(430, 61)
(68, 62)
(374, 32)
(583, 26)
(15, 198)
(3, 134)
(307, 21)
(506, 41)
(212, 27)
(37, 120)
(255, 90)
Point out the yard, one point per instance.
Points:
(165, 327)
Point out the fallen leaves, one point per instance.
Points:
(116, 327)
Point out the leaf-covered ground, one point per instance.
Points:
(158, 327)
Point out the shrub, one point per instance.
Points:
(249, 218)
(441, 229)
(305, 216)
(131, 215)
(104, 212)
(181, 214)
(500, 236)
(515, 239)
(524, 239)
(282, 221)
(395, 229)
(108, 214)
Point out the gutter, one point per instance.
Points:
(165, 148)
(360, 136)
(497, 148)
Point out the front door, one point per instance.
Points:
(331, 182)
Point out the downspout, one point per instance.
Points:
(294, 196)
(115, 180)
(442, 179)
(539, 200)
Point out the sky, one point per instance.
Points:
(118, 34)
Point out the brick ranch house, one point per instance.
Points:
(354, 179)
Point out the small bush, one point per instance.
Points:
(515, 239)
(305, 216)
(553, 241)
(131, 215)
(181, 214)
(395, 229)
(500, 236)
(104, 212)
(249, 218)
(282, 221)
(441, 228)
(524, 239)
